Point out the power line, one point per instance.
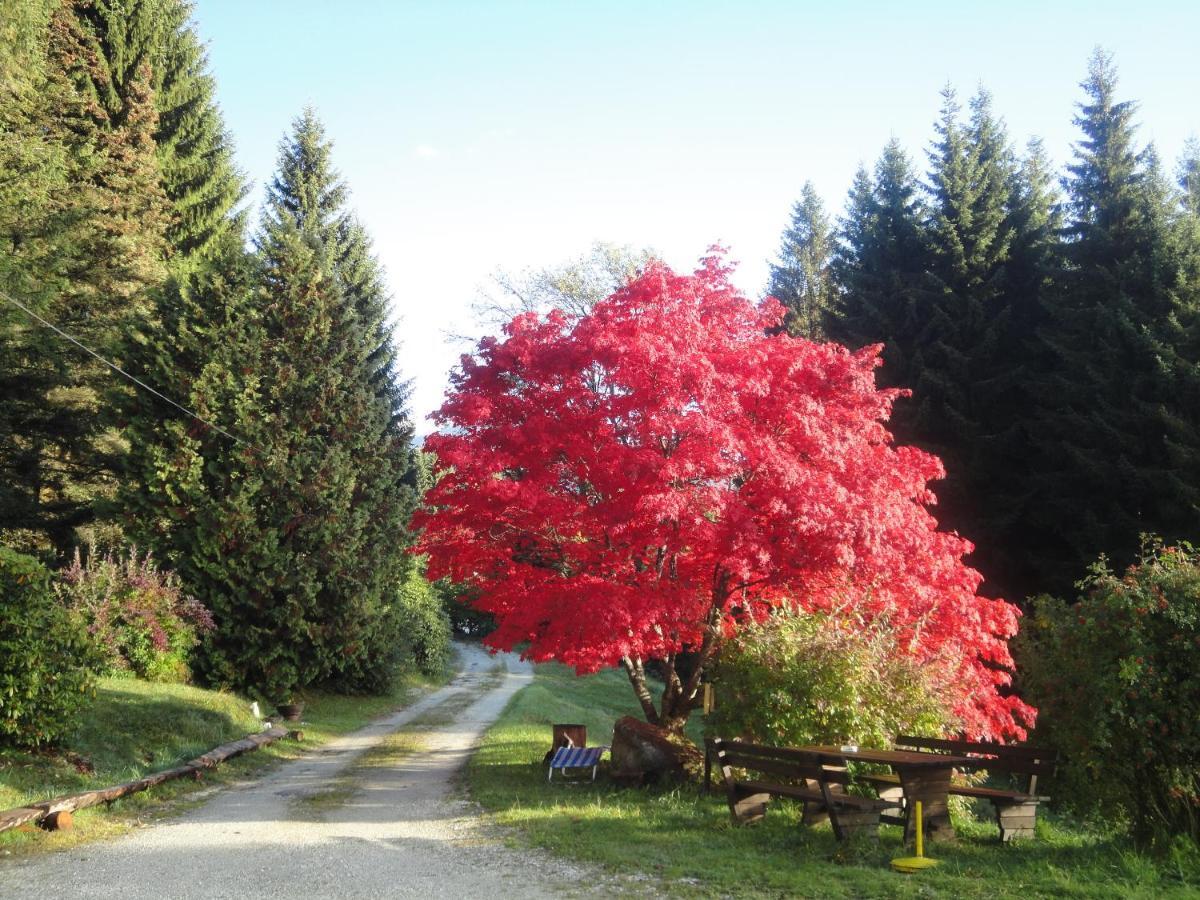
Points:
(122, 372)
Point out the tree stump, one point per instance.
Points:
(644, 753)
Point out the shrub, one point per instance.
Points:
(1117, 679)
(137, 614)
(411, 632)
(424, 623)
(805, 678)
(45, 658)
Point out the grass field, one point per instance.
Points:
(686, 841)
(135, 727)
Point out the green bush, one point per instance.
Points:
(411, 632)
(137, 614)
(801, 678)
(45, 656)
(424, 624)
(1116, 679)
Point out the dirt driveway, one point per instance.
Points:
(371, 814)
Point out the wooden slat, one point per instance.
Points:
(1014, 760)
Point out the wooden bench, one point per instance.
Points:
(808, 777)
(1016, 810)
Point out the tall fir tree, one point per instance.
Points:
(83, 226)
(972, 357)
(802, 277)
(881, 267)
(1114, 459)
(293, 529)
(194, 149)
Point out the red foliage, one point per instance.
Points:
(615, 484)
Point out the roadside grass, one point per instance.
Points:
(685, 841)
(134, 728)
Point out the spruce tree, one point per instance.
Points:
(1109, 412)
(194, 150)
(972, 357)
(83, 227)
(291, 527)
(801, 278)
(881, 267)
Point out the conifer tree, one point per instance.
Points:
(83, 225)
(881, 266)
(292, 530)
(1115, 459)
(972, 358)
(194, 150)
(801, 279)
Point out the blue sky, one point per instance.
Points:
(484, 135)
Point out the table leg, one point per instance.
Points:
(930, 785)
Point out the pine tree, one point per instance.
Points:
(292, 530)
(1108, 471)
(1009, 496)
(801, 279)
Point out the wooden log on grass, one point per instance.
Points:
(49, 813)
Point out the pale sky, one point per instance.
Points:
(501, 134)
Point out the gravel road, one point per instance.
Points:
(393, 830)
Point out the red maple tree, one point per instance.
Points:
(632, 484)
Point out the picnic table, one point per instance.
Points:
(923, 776)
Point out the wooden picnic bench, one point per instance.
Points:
(1016, 810)
(815, 780)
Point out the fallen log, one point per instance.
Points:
(48, 812)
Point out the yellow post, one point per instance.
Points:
(920, 833)
(918, 862)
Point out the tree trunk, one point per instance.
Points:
(679, 697)
(637, 677)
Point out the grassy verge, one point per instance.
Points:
(686, 839)
(135, 727)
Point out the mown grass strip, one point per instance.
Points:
(686, 842)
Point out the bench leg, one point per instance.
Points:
(814, 813)
(857, 823)
(894, 814)
(932, 787)
(746, 807)
(1016, 819)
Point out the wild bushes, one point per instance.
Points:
(46, 659)
(139, 618)
(424, 623)
(801, 678)
(1116, 677)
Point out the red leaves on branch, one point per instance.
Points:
(613, 484)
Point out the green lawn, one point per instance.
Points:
(135, 727)
(686, 839)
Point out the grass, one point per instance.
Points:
(685, 840)
(134, 728)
